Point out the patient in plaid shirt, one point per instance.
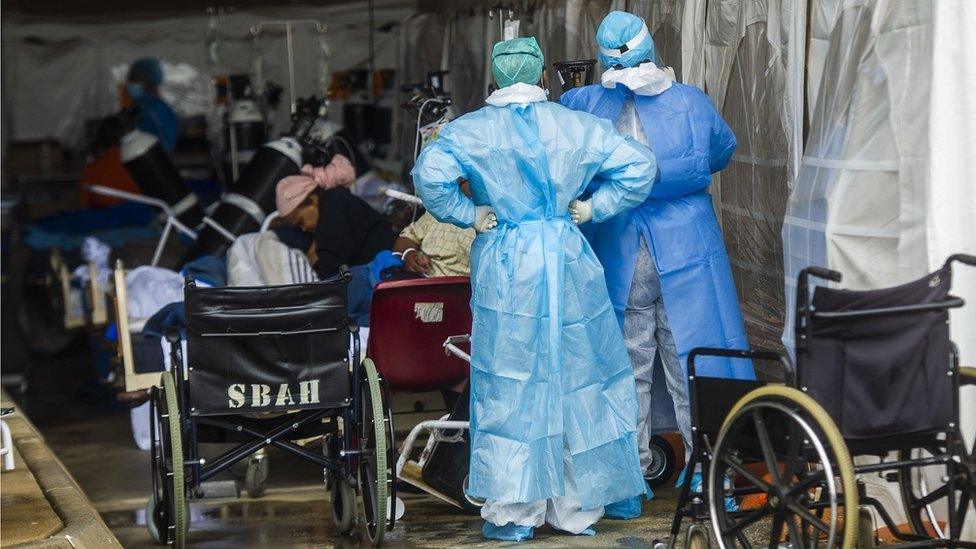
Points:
(431, 248)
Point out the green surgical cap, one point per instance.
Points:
(516, 60)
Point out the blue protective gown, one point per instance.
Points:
(690, 141)
(549, 363)
(157, 118)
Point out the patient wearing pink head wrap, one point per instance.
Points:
(294, 189)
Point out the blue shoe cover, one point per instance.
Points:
(696, 487)
(588, 532)
(696, 481)
(509, 532)
(627, 509)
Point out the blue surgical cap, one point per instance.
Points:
(148, 68)
(516, 60)
(624, 40)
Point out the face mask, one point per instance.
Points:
(644, 79)
(134, 89)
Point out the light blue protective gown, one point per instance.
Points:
(548, 361)
(690, 142)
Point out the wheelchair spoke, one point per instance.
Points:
(806, 483)
(777, 532)
(796, 537)
(792, 454)
(745, 473)
(743, 540)
(807, 516)
(932, 496)
(964, 501)
(767, 446)
(749, 519)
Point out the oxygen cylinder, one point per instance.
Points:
(246, 133)
(253, 197)
(152, 170)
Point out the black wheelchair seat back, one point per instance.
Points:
(878, 360)
(713, 398)
(268, 348)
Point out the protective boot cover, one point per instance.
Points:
(691, 141)
(549, 366)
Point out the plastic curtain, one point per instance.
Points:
(856, 203)
(746, 77)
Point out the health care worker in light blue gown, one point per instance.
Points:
(666, 266)
(553, 400)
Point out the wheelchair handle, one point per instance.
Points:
(824, 273)
(965, 259)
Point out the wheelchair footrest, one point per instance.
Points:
(412, 474)
(213, 489)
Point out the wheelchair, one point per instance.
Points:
(877, 377)
(270, 366)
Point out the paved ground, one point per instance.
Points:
(94, 441)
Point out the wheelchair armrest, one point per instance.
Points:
(172, 334)
(749, 354)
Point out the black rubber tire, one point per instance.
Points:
(665, 462)
(470, 505)
(343, 506)
(256, 476)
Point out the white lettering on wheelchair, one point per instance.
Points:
(308, 392)
(236, 394)
(284, 396)
(429, 312)
(261, 395)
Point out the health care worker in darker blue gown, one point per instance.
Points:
(153, 114)
(666, 266)
(553, 400)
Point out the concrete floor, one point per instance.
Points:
(94, 442)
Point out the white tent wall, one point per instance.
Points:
(950, 226)
(58, 74)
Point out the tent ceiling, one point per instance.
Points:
(60, 9)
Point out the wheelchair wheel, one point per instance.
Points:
(921, 494)
(343, 505)
(697, 537)
(256, 475)
(374, 466)
(810, 495)
(663, 465)
(167, 511)
(469, 504)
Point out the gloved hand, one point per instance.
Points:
(580, 211)
(484, 219)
